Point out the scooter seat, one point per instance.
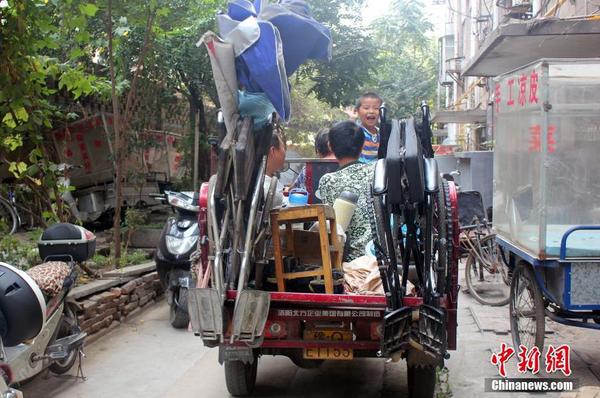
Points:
(50, 276)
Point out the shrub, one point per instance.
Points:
(19, 253)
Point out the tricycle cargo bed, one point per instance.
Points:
(290, 314)
(333, 300)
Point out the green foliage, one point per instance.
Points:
(406, 58)
(393, 56)
(135, 218)
(309, 115)
(131, 257)
(35, 234)
(39, 57)
(339, 82)
(22, 254)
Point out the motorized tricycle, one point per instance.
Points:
(547, 218)
(237, 305)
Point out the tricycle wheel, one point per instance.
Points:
(240, 377)
(527, 315)
(179, 316)
(421, 381)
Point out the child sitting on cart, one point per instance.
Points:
(346, 140)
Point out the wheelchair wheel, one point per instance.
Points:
(486, 275)
(527, 315)
(442, 237)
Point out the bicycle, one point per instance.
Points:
(486, 275)
(10, 220)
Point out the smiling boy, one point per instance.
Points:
(367, 109)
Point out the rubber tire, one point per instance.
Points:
(471, 260)
(240, 377)
(62, 367)
(443, 271)
(524, 270)
(12, 219)
(178, 316)
(421, 381)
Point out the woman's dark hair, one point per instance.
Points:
(322, 143)
(277, 141)
(346, 140)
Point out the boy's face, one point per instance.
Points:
(368, 112)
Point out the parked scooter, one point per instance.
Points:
(38, 324)
(178, 241)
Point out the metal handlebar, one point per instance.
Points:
(563, 241)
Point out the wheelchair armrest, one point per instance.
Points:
(379, 178)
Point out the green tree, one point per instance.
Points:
(353, 53)
(407, 70)
(43, 44)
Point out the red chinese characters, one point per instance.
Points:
(522, 90)
(85, 156)
(528, 359)
(501, 358)
(511, 100)
(535, 138)
(559, 359)
(497, 96)
(523, 95)
(533, 86)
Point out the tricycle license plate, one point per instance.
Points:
(343, 354)
(328, 352)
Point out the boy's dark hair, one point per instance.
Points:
(346, 140)
(322, 143)
(368, 95)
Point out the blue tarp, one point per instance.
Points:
(271, 41)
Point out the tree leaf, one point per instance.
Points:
(163, 11)
(88, 9)
(76, 53)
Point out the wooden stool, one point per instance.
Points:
(331, 251)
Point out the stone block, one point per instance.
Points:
(129, 307)
(128, 287)
(103, 297)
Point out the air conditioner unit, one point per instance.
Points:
(517, 9)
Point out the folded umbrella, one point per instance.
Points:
(301, 35)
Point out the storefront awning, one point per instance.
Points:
(513, 45)
(470, 116)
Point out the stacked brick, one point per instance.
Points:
(102, 310)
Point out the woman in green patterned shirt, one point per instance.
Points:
(346, 140)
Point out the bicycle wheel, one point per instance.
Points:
(8, 218)
(486, 275)
(527, 315)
